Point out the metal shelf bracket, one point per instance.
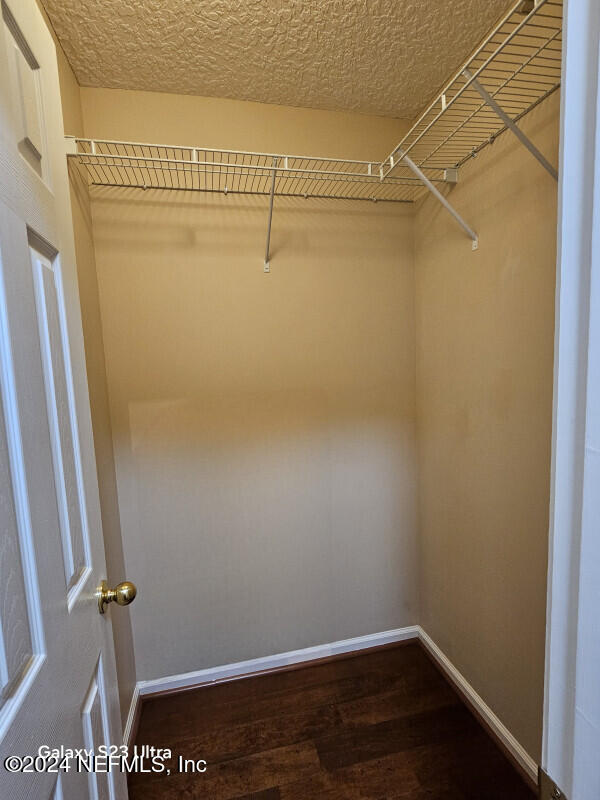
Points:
(511, 124)
(436, 193)
(267, 264)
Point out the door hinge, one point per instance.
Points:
(548, 788)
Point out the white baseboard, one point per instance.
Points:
(133, 707)
(254, 665)
(518, 752)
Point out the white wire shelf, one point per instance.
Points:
(160, 166)
(518, 64)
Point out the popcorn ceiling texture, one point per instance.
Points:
(386, 57)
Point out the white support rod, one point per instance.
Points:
(425, 180)
(271, 197)
(511, 125)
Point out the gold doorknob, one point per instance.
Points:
(123, 594)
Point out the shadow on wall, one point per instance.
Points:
(195, 218)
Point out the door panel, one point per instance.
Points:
(57, 671)
(95, 728)
(16, 648)
(62, 422)
(23, 70)
(21, 641)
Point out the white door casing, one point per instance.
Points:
(571, 744)
(57, 671)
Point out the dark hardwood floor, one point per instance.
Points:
(385, 724)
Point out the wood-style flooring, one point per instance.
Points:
(385, 724)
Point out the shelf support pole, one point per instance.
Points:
(436, 193)
(511, 124)
(267, 267)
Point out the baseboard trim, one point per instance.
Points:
(514, 750)
(133, 718)
(254, 666)
(346, 647)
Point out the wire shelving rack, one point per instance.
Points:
(519, 64)
(516, 67)
(161, 166)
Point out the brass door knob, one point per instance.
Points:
(123, 594)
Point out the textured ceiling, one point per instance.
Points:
(384, 57)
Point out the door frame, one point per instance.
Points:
(571, 736)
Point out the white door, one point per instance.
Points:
(57, 672)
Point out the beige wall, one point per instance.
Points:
(94, 353)
(485, 326)
(263, 425)
(234, 124)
